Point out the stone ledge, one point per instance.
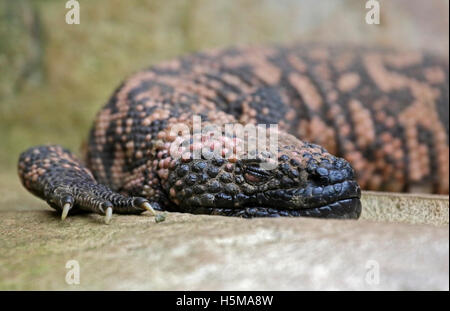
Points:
(198, 252)
(405, 207)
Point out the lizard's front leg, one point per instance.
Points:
(57, 176)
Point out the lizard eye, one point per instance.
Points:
(254, 174)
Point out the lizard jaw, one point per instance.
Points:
(344, 203)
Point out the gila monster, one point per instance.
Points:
(347, 118)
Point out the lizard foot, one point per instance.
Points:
(90, 202)
(55, 175)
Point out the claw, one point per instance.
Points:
(65, 210)
(108, 215)
(149, 208)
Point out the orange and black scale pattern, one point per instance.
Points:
(347, 118)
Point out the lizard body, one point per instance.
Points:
(384, 112)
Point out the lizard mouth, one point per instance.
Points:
(340, 200)
(343, 209)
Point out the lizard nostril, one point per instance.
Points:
(319, 176)
(339, 172)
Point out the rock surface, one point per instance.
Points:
(196, 252)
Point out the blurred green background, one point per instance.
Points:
(54, 77)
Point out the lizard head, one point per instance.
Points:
(305, 180)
